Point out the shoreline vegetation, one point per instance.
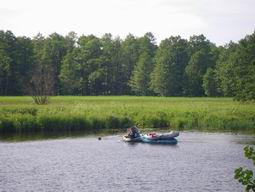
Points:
(19, 115)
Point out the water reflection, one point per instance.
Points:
(55, 135)
(248, 136)
(199, 162)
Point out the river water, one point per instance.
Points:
(199, 162)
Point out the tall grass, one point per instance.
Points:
(73, 113)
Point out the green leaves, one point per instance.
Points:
(236, 68)
(210, 83)
(140, 80)
(249, 153)
(89, 65)
(168, 74)
(245, 176)
(200, 60)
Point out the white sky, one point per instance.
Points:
(219, 20)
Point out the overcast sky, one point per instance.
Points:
(219, 20)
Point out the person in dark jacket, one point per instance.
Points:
(133, 132)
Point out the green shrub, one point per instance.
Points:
(244, 175)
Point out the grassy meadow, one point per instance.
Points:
(93, 113)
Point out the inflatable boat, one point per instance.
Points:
(133, 135)
(156, 138)
(130, 139)
(171, 141)
(162, 136)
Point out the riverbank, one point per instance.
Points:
(74, 113)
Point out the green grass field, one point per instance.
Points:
(71, 113)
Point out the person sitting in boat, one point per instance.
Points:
(133, 132)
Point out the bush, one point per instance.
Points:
(245, 176)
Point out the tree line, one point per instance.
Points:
(89, 65)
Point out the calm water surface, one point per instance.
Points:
(199, 162)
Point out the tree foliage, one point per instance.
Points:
(168, 74)
(210, 83)
(140, 78)
(244, 175)
(244, 68)
(224, 70)
(201, 58)
(89, 65)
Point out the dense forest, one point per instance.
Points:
(89, 65)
